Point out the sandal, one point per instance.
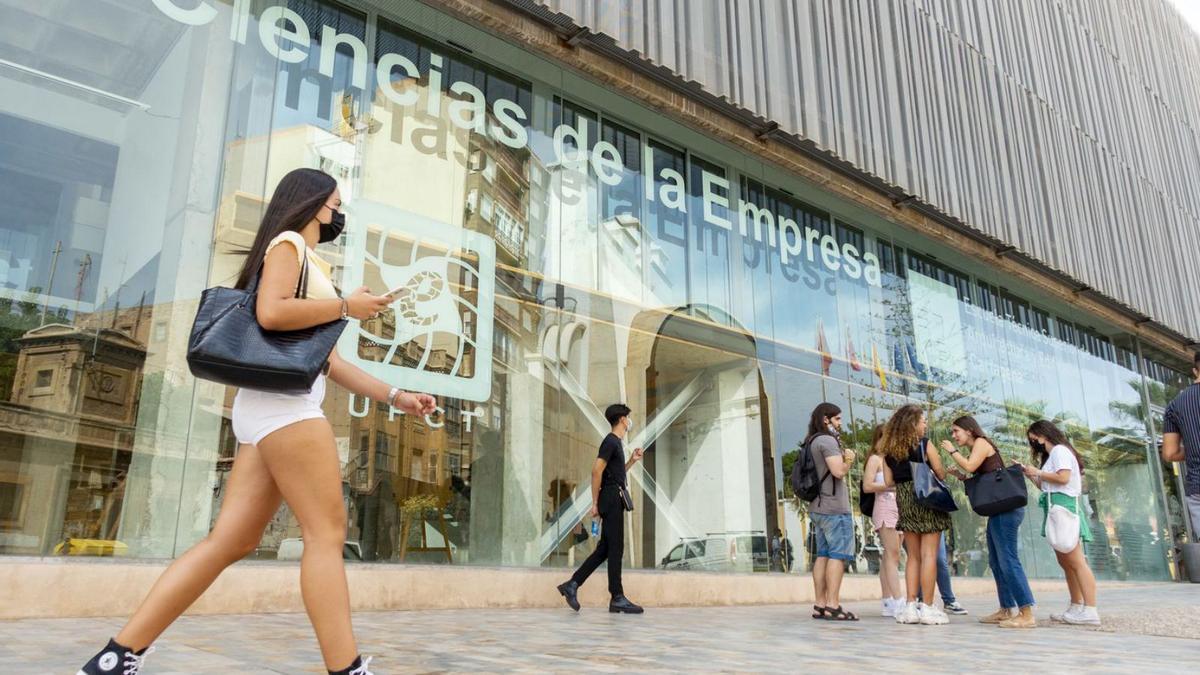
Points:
(840, 614)
(819, 612)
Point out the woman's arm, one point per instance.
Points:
(279, 309)
(869, 473)
(1060, 477)
(356, 380)
(935, 460)
(980, 450)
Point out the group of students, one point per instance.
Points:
(901, 519)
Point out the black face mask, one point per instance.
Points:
(333, 229)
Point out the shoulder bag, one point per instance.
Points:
(998, 491)
(626, 500)
(1062, 527)
(928, 489)
(228, 345)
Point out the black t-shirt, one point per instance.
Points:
(613, 454)
(901, 471)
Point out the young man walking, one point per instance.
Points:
(1181, 442)
(608, 484)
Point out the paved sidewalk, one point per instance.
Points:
(778, 638)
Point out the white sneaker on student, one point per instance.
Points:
(1088, 616)
(1061, 617)
(908, 613)
(932, 616)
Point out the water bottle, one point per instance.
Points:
(595, 528)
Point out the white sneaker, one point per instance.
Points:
(932, 616)
(908, 613)
(1062, 616)
(889, 608)
(1088, 616)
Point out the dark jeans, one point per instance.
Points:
(611, 546)
(943, 573)
(1012, 586)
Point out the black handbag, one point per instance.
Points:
(928, 489)
(626, 500)
(228, 345)
(998, 491)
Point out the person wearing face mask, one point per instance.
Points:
(830, 513)
(610, 492)
(1060, 479)
(286, 450)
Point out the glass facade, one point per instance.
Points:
(562, 248)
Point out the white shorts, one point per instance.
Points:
(257, 414)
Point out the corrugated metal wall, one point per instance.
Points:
(1066, 128)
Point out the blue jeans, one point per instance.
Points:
(835, 536)
(943, 573)
(1012, 586)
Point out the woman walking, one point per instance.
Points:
(904, 441)
(286, 446)
(1012, 586)
(1061, 480)
(877, 480)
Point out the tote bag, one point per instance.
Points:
(996, 492)
(1062, 528)
(928, 489)
(228, 345)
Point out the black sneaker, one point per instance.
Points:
(116, 660)
(955, 608)
(621, 605)
(570, 591)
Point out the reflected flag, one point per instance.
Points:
(823, 348)
(878, 367)
(851, 355)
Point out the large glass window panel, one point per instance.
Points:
(110, 126)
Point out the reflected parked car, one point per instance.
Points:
(721, 552)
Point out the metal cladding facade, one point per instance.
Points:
(1067, 129)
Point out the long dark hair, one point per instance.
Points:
(297, 198)
(816, 424)
(969, 425)
(1047, 430)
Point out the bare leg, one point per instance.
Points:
(303, 461)
(251, 499)
(929, 549)
(1073, 585)
(818, 573)
(1083, 575)
(834, 570)
(912, 570)
(889, 571)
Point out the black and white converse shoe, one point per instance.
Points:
(359, 667)
(116, 660)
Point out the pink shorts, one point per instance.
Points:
(886, 513)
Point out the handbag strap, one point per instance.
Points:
(301, 291)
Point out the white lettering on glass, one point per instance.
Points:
(285, 35)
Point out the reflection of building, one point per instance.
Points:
(75, 396)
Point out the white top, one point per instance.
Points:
(1061, 458)
(319, 285)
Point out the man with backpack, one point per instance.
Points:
(819, 477)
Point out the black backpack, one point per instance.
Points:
(866, 500)
(806, 482)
